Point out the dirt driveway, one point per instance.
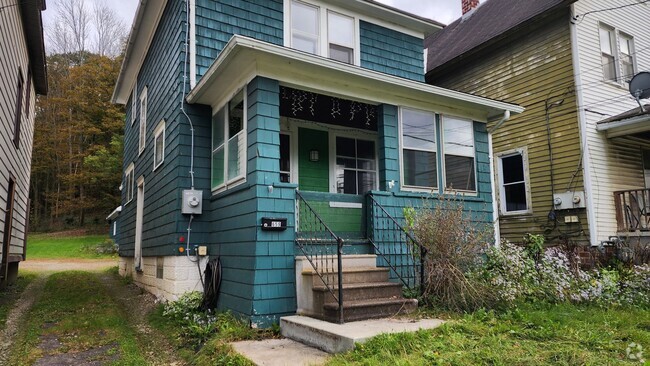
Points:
(49, 341)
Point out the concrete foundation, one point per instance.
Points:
(166, 277)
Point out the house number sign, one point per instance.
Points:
(274, 224)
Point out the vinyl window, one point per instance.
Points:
(18, 118)
(159, 145)
(340, 37)
(129, 182)
(143, 121)
(419, 149)
(229, 144)
(459, 154)
(608, 52)
(514, 188)
(627, 57)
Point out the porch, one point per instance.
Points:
(632, 210)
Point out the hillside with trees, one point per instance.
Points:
(78, 137)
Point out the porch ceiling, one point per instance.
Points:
(244, 58)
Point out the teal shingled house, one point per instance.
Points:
(285, 138)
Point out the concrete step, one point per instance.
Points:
(358, 291)
(370, 309)
(350, 275)
(336, 338)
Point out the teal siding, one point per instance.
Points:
(391, 52)
(218, 21)
(258, 266)
(161, 74)
(387, 130)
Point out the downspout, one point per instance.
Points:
(495, 205)
(584, 142)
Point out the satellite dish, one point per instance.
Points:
(640, 87)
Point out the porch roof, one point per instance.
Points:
(245, 58)
(630, 122)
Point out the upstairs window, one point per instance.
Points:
(459, 154)
(316, 29)
(18, 117)
(134, 102)
(340, 37)
(627, 57)
(305, 27)
(143, 121)
(229, 144)
(607, 51)
(159, 145)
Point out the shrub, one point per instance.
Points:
(454, 244)
(107, 247)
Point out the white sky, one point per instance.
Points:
(444, 11)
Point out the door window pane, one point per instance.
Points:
(355, 165)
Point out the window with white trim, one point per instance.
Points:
(129, 182)
(607, 51)
(514, 191)
(458, 137)
(134, 103)
(229, 144)
(143, 121)
(322, 31)
(285, 158)
(627, 56)
(419, 149)
(617, 54)
(356, 165)
(159, 144)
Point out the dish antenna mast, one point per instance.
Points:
(640, 87)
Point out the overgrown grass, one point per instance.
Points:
(539, 334)
(199, 348)
(9, 295)
(78, 311)
(47, 246)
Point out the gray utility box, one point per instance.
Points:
(569, 200)
(192, 202)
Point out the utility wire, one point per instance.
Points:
(583, 16)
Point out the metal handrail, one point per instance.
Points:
(316, 246)
(398, 243)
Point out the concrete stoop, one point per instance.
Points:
(338, 338)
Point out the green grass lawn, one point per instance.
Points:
(47, 246)
(529, 335)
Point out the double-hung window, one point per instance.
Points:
(419, 149)
(159, 145)
(459, 154)
(319, 30)
(627, 58)
(608, 52)
(129, 182)
(18, 118)
(513, 182)
(229, 143)
(134, 102)
(356, 165)
(143, 121)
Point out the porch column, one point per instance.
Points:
(388, 147)
(274, 288)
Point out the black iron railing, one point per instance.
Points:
(397, 248)
(322, 248)
(632, 210)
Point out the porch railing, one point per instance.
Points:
(322, 248)
(632, 210)
(396, 246)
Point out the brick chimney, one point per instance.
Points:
(469, 5)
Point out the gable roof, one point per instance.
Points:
(489, 22)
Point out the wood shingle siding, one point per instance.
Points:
(533, 70)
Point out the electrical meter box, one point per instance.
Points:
(569, 200)
(192, 202)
